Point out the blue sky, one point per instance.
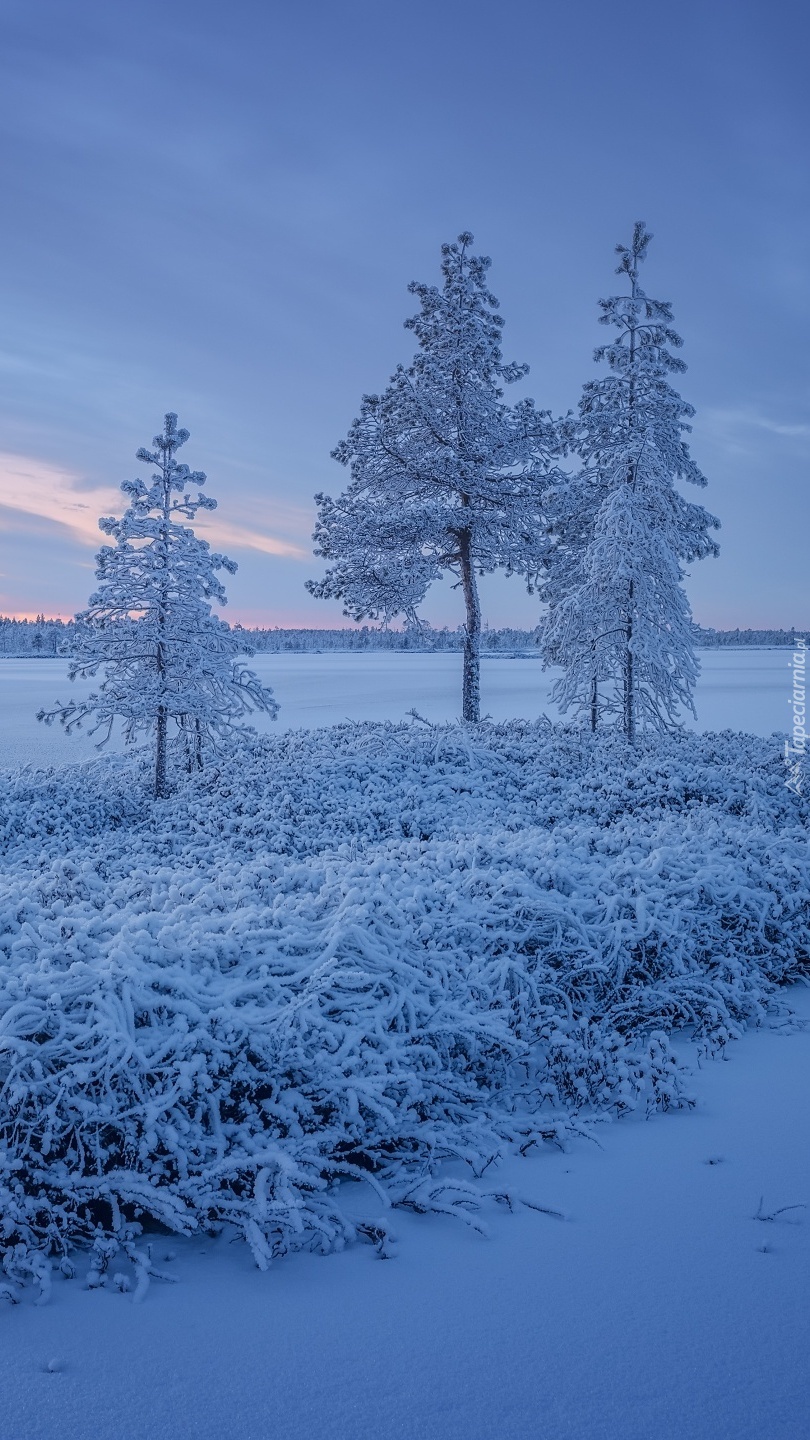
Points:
(217, 208)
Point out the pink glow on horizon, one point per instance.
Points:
(40, 497)
(33, 490)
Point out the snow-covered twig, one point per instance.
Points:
(769, 1215)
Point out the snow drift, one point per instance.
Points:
(363, 951)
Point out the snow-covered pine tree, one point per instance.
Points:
(445, 476)
(618, 615)
(167, 659)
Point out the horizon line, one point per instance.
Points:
(353, 626)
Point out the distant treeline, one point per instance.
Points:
(32, 637)
(43, 637)
(370, 637)
(713, 639)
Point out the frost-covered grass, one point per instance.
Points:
(366, 951)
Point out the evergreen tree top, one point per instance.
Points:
(461, 316)
(156, 510)
(170, 477)
(635, 404)
(645, 324)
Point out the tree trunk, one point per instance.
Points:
(594, 703)
(160, 753)
(161, 728)
(471, 687)
(629, 679)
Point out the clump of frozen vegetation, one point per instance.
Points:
(358, 952)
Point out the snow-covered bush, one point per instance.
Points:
(361, 951)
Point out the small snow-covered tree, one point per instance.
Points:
(618, 614)
(167, 659)
(445, 476)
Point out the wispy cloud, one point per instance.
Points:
(242, 537)
(37, 495)
(15, 521)
(733, 427)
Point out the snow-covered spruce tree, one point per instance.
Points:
(167, 659)
(445, 477)
(618, 615)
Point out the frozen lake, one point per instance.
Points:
(746, 689)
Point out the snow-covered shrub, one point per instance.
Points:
(361, 951)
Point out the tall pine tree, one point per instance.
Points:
(445, 476)
(619, 621)
(168, 661)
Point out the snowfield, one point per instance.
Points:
(341, 980)
(659, 1309)
(746, 689)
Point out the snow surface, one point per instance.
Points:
(651, 1313)
(746, 689)
(659, 1308)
